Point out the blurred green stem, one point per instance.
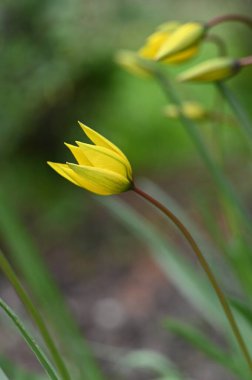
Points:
(206, 268)
(31, 309)
(213, 168)
(235, 105)
(219, 43)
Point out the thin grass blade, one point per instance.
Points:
(42, 358)
(202, 343)
(189, 282)
(30, 264)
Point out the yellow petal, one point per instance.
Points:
(78, 154)
(153, 44)
(169, 26)
(157, 39)
(184, 37)
(104, 158)
(99, 140)
(63, 170)
(183, 56)
(100, 181)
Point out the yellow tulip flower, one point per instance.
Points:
(101, 168)
(170, 43)
(157, 39)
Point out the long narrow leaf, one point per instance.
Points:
(201, 342)
(243, 309)
(237, 252)
(209, 249)
(190, 283)
(45, 363)
(15, 371)
(35, 315)
(28, 260)
(236, 107)
(151, 360)
(2, 375)
(214, 169)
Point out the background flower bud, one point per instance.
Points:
(134, 64)
(184, 37)
(192, 110)
(216, 69)
(157, 39)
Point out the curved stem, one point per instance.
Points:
(230, 17)
(219, 43)
(206, 268)
(10, 274)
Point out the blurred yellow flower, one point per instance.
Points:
(167, 44)
(213, 70)
(157, 39)
(101, 168)
(192, 110)
(134, 64)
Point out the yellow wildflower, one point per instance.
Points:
(101, 168)
(161, 44)
(213, 70)
(157, 39)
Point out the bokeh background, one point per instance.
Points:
(57, 67)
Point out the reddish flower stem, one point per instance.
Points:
(206, 268)
(230, 17)
(245, 61)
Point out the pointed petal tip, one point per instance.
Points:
(82, 125)
(78, 143)
(69, 146)
(54, 165)
(85, 127)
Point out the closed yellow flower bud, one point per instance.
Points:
(157, 39)
(134, 64)
(213, 70)
(162, 37)
(192, 110)
(185, 37)
(101, 168)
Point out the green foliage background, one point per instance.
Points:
(57, 67)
